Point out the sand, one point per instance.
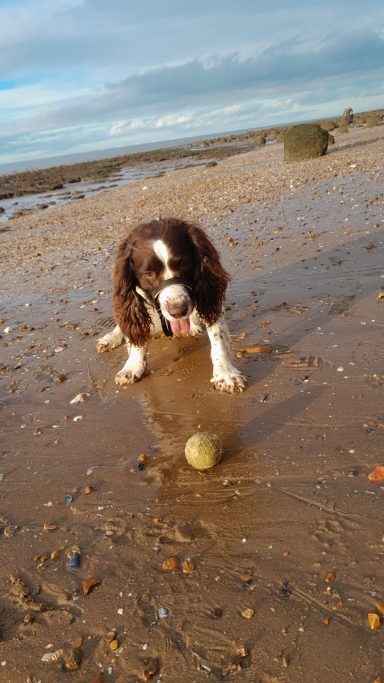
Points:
(264, 568)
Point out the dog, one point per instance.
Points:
(168, 272)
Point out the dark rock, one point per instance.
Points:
(22, 212)
(305, 141)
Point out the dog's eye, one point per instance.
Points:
(149, 273)
(181, 263)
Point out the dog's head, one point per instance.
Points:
(162, 251)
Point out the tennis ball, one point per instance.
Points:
(203, 450)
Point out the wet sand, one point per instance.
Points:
(280, 547)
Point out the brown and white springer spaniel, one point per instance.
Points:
(167, 271)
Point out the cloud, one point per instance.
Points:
(76, 73)
(278, 70)
(117, 128)
(172, 120)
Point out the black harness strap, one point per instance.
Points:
(166, 283)
(165, 324)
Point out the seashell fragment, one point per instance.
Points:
(89, 584)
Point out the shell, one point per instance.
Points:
(74, 561)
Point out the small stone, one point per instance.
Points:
(73, 659)
(114, 644)
(49, 527)
(374, 621)
(79, 398)
(248, 613)
(171, 564)
(153, 668)
(330, 577)
(162, 612)
(87, 490)
(188, 567)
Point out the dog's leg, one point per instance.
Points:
(225, 376)
(110, 341)
(135, 367)
(196, 324)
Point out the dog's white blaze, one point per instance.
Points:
(161, 251)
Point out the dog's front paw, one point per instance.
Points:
(103, 345)
(130, 374)
(232, 381)
(108, 342)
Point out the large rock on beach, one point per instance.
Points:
(305, 141)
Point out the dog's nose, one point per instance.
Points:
(178, 309)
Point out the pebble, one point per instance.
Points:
(162, 612)
(91, 469)
(74, 561)
(80, 398)
(248, 613)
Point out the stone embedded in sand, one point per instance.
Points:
(374, 621)
(305, 141)
(203, 450)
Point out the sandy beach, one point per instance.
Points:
(264, 569)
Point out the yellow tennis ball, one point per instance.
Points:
(203, 450)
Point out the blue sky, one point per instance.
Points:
(83, 75)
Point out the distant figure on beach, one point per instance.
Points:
(348, 115)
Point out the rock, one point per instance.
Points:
(305, 141)
(343, 126)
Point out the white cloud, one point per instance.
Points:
(117, 128)
(171, 120)
(85, 71)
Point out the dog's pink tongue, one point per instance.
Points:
(180, 327)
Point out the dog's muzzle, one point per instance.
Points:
(154, 294)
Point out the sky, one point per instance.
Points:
(85, 75)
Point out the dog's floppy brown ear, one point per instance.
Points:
(130, 310)
(211, 280)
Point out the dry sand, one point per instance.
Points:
(282, 543)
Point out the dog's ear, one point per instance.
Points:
(129, 307)
(211, 279)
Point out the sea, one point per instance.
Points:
(15, 206)
(49, 162)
